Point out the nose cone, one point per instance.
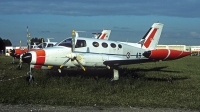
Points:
(27, 57)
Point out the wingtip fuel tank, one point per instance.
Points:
(165, 54)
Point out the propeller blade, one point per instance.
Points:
(73, 56)
(64, 63)
(80, 64)
(73, 41)
(73, 44)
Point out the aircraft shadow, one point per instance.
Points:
(134, 74)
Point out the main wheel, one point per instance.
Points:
(28, 79)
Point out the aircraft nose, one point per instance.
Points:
(27, 57)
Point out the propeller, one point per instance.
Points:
(64, 63)
(72, 55)
(80, 64)
(73, 47)
(73, 41)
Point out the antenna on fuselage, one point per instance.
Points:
(72, 56)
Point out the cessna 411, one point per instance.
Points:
(17, 53)
(88, 52)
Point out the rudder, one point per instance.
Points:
(151, 38)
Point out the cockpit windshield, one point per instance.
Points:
(42, 45)
(66, 43)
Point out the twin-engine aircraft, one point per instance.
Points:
(105, 34)
(17, 53)
(88, 52)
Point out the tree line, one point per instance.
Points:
(7, 42)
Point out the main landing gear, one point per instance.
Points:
(20, 63)
(115, 75)
(30, 78)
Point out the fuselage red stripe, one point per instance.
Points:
(150, 38)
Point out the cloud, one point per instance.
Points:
(178, 8)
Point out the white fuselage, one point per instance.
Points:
(92, 52)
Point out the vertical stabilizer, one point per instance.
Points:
(104, 35)
(151, 38)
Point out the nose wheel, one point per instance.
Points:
(30, 78)
(19, 66)
(20, 63)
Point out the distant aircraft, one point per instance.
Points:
(17, 53)
(105, 34)
(88, 52)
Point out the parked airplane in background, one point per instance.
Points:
(105, 34)
(88, 52)
(43, 44)
(16, 53)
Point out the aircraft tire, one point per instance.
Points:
(28, 79)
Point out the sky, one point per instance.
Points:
(129, 20)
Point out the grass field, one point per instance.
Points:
(169, 84)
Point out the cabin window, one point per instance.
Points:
(113, 45)
(80, 43)
(95, 44)
(105, 45)
(119, 45)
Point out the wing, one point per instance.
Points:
(128, 61)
